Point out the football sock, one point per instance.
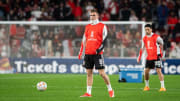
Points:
(89, 89)
(109, 87)
(162, 84)
(147, 83)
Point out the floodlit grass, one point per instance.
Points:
(68, 87)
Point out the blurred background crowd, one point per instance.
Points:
(64, 41)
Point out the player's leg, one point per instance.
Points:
(99, 64)
(107, 81)
(89, 80)
(158, 65)
(148, 67)
(88, 64)
(160, 74)
(105, 77)
(146, 77)
(161, 78)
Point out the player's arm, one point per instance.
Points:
(161, 43)
(83, 43)
(140, 53)
(104, 40)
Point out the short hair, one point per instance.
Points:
(94, 11)
(148, 25)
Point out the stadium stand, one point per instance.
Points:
(164, 15)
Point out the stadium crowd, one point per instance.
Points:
(24, 41)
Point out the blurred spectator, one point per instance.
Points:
(172, 20)
(44, 38)
(177, 8)
(144, 13)
(106, 3)
(59, 12)
(162, 12)
(51, 36)
(175, 50)
(4, 47)
(176, 32)
(50, 52)
(2, 33)
(61, 34)
(112, 35)
(2, 12)
(72, 5)
(105, 16)
(119, 35)
(100, 6)
(170, 4)
(124, 3)
(36, 37)
(88, 9)
(116, 53)
(12, 15)
(127, 38)
(36, 49)
(136, 5)
(55, 39)
(78, 11)
(113, 10)
(20, 32)
(132, 52)
(133, 17)
(25, 49)
(68, 12)
(58, 49)
(21, 14)
(28, 11)
(143, 3)
(124, 13)
(151, 8)
(119, 38)
(79, 31)
(138, 39)
(36, 11)
(57, 46)
(15, 45)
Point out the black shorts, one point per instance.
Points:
(151, 64)
(93, 60)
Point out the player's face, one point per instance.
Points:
(148, 30)
(93, 16)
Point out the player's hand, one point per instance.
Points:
(161, 57)
(138, 60)
(97, 51)
(80, 56)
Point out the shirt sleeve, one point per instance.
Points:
(83, 44)
(160, 40)
(104, 39)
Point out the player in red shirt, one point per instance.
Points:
(153, 45)
(93, 43)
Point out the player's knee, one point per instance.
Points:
(102, 74)
(146, 72)
(89, 74)
(159, 71)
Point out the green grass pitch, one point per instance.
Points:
(68, 87)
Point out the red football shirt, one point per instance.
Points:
(93, 38)
(152, 47)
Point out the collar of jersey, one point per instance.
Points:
(150, 35)
(94, 22)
